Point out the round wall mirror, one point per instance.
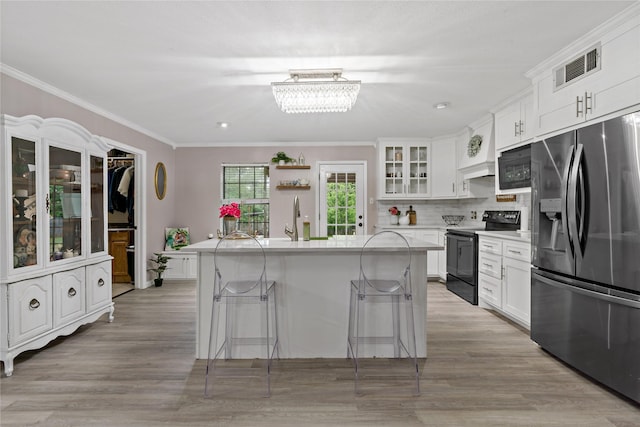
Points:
(161, 180)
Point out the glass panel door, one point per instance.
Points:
(342, 199)
(97, 204)
(23, 191)
(65, 203)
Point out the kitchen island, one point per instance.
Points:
(313, 279)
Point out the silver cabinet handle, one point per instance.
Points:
(515, 128)
(34, 304)
(588, 102)
(487, 289)
(578, 110)
(520, 127)
(100, 283)
(515, 252)
(72, 293)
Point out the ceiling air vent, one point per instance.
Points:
(586, 63)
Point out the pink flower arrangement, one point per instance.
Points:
(232, 209)
(394, 211)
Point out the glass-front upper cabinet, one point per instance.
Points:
(97, 197)
(404, 169)
(64, 203)
(24, 199)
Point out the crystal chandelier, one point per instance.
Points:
(316, 94)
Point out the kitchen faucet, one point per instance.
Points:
(296, 214)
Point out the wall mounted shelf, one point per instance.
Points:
(293, 187)
(293, 166)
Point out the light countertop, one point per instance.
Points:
(332, 245)
(510, 235)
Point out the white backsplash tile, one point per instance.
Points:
(429, 212)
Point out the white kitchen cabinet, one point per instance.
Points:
(442, 256)
(432, 256)
(444, 168)
(428, 236)
(613, 87)
(404, 168)
(181, 266)
(504, 277)
(53, 169)
(514, 123)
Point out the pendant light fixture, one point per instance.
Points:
(316, 91)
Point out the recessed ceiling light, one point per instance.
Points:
(441, 105)
(222, 125)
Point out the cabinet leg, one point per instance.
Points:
(8, 367)
(111, 313)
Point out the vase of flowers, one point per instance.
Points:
(395, 215)
(230, 213)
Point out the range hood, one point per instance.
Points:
(478, 161)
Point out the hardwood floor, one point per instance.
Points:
(140, 371)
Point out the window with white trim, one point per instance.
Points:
(248, 185)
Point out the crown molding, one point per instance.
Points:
(46, 87)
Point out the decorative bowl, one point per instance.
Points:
(453, 219)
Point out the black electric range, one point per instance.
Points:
(462, 252)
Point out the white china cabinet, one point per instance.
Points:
(55, 270)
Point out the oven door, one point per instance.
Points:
(462, 257)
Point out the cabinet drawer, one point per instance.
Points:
(491, 246)
(490, 290)
(68, 296)
(98, 285)
(30, 309)
(490, 265)
(517, 250)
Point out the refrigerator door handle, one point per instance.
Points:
(604, 297)
(564, 195)
(573, 216)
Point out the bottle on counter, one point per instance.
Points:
(306, 229)
(412, 216)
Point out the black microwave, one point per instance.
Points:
(514, 168)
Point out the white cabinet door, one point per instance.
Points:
(443, 169)
(30, 309)
(507, 125)
(516, 292)
(69, 299)
(181, 265)
(442, 256)
(432, 256)
(514, 123)
(98, 285)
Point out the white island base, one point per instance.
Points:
(313, 280)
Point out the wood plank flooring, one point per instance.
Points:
(139, 371)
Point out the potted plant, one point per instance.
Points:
(281, 158)
(160, 261)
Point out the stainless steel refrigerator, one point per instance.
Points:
(585, 280)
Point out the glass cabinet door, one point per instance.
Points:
(393, 168)
(96, 165)
(23, 192)
(418, 169)
(65, 203)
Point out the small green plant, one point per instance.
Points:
(160, 261)
(281, 155)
